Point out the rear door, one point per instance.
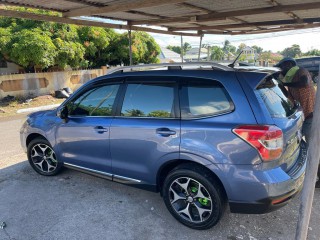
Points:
(286, 114)
(146, 128)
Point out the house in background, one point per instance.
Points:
(192, 55)
(168, 56)
(249, 53)
(9, 68)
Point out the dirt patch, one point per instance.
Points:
(10, 105)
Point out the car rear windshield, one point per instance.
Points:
(274, 95)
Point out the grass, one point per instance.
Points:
(10, 107)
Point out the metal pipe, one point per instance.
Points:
(200, 47)
(313, 156)
(130, 46)
(181, 49)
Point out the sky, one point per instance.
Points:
(308, 39)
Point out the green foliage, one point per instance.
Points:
(313, 52)
(176, 49)
(258, 49)
(227, 47)
(29, 49)
(144, 49)
(217, 53)
(293, 51)
(36, 44)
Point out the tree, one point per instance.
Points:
(144, 49)
(293, 51)
(37, 44)
(313, 52)
(227, 47)
(176, 49)
(258, 49)
(186, 48)
(95, 40)
(217, 53)
(241, 47)
(31, 49)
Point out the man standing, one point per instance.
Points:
(300, 87)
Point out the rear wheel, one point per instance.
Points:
(42, 157)
(193, 197)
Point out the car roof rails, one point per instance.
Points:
(171, 66)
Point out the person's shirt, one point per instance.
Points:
(301, 89)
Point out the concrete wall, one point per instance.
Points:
(35, 84)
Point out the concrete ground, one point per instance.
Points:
(74, 205)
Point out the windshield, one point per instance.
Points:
(275, 97)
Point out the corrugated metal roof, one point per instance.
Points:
(181, 15)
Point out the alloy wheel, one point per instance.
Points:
(190, 199)
(44, 158)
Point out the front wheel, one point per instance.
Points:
(193, 198)
(42, 157)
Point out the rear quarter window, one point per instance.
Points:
(204, 98)
(274, 96)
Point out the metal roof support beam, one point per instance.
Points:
(42, 17)
(237, 13)
(120, 7)
(249, 24)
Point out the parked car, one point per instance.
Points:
(312, 64)
(202, 136)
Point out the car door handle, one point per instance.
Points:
(101, 129)
(165, 132)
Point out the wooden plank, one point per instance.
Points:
(41, 17)
(121, 7)
(248, 24)
(214, 16)
(311, 174)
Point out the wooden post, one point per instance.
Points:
(181, 49)
(311, 174)
(130, 46)
(200, 47)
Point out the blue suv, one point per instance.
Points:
(203, 135)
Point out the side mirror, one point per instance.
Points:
(62, 112)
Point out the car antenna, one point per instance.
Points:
(233, 63)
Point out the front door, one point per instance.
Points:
(83, 140)
(146, 130)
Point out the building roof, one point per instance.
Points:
(177, 16)
(166, 55)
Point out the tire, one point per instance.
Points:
(193, 197)
(42, 157)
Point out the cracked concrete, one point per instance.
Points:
(74, 205)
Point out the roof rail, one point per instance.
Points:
(169, 66)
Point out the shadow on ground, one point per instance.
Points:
(74, 205)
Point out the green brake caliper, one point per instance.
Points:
(203, 201)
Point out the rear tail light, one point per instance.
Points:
(268, 140)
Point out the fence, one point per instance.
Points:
(35, 84)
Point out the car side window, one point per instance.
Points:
(153, 100)
(204, 98)
(97, 101)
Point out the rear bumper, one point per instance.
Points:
(261, 191)
(264, 205)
